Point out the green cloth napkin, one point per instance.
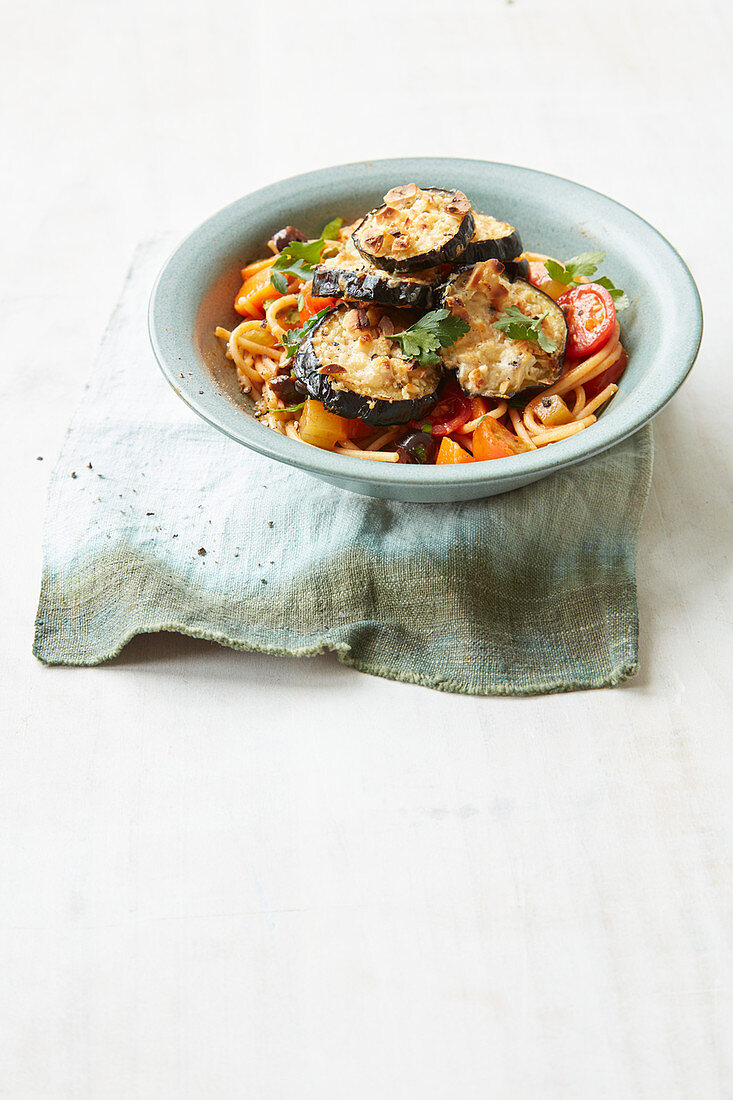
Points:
(158, 522)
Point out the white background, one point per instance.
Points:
(231, 876)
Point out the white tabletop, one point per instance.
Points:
(231, 876)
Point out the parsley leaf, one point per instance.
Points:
(298, 259)
(435, 330)
(583, 265)
(586, 264)
(330, 231)
(518, 326)
(292, 338)
(619, 297)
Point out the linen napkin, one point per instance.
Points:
(156, 521)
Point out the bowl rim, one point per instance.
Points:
(523, 467)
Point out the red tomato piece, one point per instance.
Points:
(313, 305)
(454, 409)
(614, 372)
(591, 316)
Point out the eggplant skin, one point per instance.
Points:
(446, 254)
(517, 269)
(499, 248)
(347, 403)
(373, 286)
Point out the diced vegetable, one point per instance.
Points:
(320, 427)
(312, 305)
(553, 411)
(450, 453)
(356, 428)
(257, 265)
(492, 440)
(256, 290)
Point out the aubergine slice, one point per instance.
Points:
(348, 275)
(353, 367)
(517, 269)
(492, 240)
(415, 228)
(487, 362)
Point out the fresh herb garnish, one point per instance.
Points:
(618, 295)
(292, 337)
(585, 266)
(289, 409)
(580, 266)
(435, 330)
(300, 257)
(518, 326)
(330, 231)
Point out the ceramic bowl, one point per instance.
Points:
(195, 290)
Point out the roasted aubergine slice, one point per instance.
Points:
(489, 362)
(491, 240)
(415, 228)
(349, 363)
(348, 275)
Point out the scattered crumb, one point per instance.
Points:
(236, 555)
(73, 473)
(150, 513)
(202, 552)
(89, 466)
(262, 579)
(270, 523)
(39, 458)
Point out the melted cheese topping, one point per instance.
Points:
(490, 229)
(373, 365)
(488, 362)
(414, 224)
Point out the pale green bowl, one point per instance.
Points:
(195, 290)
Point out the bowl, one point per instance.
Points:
(194, 293)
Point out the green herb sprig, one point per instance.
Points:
(435, 330)
(293, 337)
(299, 258)
(518, 326)
(585, 265)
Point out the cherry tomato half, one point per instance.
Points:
(454, 409)
(614, 372)
(591, 316)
